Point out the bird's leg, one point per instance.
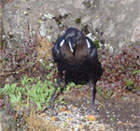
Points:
(59, 79)
(93, 92)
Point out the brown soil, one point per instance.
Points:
(120, 113)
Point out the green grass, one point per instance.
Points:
(35, 91)
(104, 93)
(130, 85)
(96, 42)
(29, 90)
(78, 20)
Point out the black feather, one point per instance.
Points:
(76, 54)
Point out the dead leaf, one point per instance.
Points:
(91, 118)
(52, 118)
(63, 109)
(81, 126)
(68, 112)
(43, 114)
(70, 118)
(73, 107)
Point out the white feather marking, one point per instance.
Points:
(88, 44)
(62, 42)
(70, 46)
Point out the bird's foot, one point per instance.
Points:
(51, 112)
(51, 105)
(93, 109)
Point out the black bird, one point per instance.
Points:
(76, 54)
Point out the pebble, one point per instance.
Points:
(74, 119)
(85, 19)
(62, 11)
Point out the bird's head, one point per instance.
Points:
(72, 37)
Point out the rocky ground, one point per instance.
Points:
(117, 113)
(113, 23)
(113, 114)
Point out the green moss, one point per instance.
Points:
(77, 20)
(96, 42)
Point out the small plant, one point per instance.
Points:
(69, 86)
(130, 85)
(135, 72)
(60, 100)
(96, 42)
(29, 90)
(121, 70)
(8, 89)
(77, 20)
(104, 93)
(15, 99)
(12, 59)
(26, 80)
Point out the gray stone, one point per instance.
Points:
(85, 19)
(63, 11)
(118, 20)
(0, 24)
(43, 29)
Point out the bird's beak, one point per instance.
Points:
(71, 46)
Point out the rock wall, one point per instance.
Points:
(117, 22)
(0, 24)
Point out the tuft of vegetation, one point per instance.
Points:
(105, 93)
(78, 20)
(96, 42)
(29, 90)
(34, 90)
(121, 71)
(17, 59)
(12, 59)
(35, 122)
(59, 19)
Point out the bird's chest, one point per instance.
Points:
(80, 54)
